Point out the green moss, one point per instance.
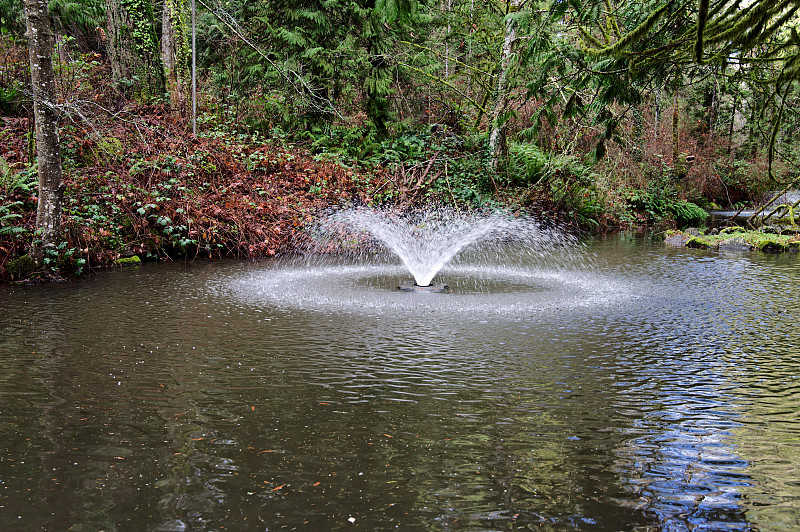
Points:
(766, 242)
(770, 242)
(21, 267)
(731, 230)
(128, 261)
(698, 242)
(771, 246)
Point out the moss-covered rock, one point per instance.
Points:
(737, 239)
(732, 230)
(128, 261)
(772, 246)
(736, 243)
(699, 242)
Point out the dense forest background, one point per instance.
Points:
(599, 113)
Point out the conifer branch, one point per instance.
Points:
(702, 18)
(620, 47)
(613, 20)
(757, 14)
(588, 37)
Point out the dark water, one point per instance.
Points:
(656, 390)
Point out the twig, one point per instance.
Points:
(427, 169)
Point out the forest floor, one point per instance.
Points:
(147, 189)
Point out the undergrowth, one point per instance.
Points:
(168, 195)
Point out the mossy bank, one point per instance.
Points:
(768, 239)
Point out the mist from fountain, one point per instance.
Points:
(428, 239)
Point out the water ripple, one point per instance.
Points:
(650, 389)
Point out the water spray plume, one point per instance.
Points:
(428, 239)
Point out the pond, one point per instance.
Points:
(637, 387)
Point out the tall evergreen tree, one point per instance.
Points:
(321, 50)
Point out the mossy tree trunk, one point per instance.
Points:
(497, 137)
(676, 136)
(119, 43)
(48, 155)
(175, 51)
(133, 48)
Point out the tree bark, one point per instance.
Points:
(497, 138)
(731, 150)
(169, 45)
(638, 135)
(675, 134)
(175, 51)
(133, 49)
(48, 154)
(120, 44)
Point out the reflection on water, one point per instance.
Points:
(658, 391)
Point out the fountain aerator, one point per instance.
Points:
(426, 240)
(436, 288)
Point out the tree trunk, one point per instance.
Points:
(48, 155)
(175, 51)
(656, 116)
(731, 150)
(119, 46)
(497, 138)
(133, 48)
(638, 135)
(714, 112)
(169, 46)
(447, 8)
(675, 135)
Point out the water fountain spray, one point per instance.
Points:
(426, 240)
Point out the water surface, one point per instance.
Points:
(635, 387)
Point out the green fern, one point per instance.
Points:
(12, 182)
(527, 164)
(7, 216)
(687, 212)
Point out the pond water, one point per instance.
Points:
(636, 387)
